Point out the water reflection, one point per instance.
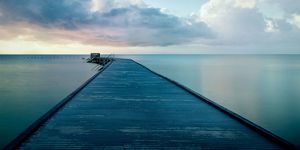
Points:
(30, 85)
(261, 88)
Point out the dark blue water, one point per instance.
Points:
(261, 88)
(31, 85)
(265, 89)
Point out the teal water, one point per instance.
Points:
(262, 88)
(31, 85)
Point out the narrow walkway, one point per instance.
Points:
(129, 107)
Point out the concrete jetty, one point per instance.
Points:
(127, 106)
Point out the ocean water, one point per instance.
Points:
(264, 89)
(30, 85)
(261, 88)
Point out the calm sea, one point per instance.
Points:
(261, 88)
(265, 89)
(31, 85)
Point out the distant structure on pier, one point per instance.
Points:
(95, 56)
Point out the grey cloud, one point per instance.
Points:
(142, 25)
(46, 13)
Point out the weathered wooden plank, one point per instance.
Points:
(127, 106)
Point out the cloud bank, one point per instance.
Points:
(259, 22)
(99, 22)
(131, 23)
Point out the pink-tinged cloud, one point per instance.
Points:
(251, 24)
(113, 24)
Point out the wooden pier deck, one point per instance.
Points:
(129, 107)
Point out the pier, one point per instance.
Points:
(127, 106)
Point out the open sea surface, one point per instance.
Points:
(30, 85)
(264, 89)
(261, 88)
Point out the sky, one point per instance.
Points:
(149, 26)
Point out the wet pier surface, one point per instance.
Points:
(128, 107)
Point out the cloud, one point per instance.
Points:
(296, 20)
(232, 20)
(252, 22)
(98, 22)
(239, 24)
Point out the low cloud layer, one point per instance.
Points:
(130, 23)
(99, 22)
